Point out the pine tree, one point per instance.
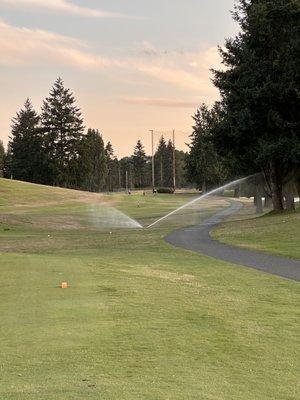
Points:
(92, 162)
(126, 171)
(168, 165)
(139, 160)
(204, 166)
(63, 129)
(113, 169)
(160, 162)
(2, 157)
(260, 91)
(181, 163)
(25, 146)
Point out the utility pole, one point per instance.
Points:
(174, 161)
(130, 177)
(119, 171)
(126, 181)
(153, 170)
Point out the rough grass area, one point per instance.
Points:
(141, 320)
(272, 233)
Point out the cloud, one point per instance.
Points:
(23, 46)
(159, 102)
(188, 70)
(61, 6)
(175, 77)
(34, 47)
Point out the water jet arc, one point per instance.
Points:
(215, 191)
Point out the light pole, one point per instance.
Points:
(126, 181)
(174, 161)
(153, 168)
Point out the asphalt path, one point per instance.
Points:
(198, 239)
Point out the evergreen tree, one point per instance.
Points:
(181, 162)
(168, 165)
(2, 157)
(139, 160)
(63, 129)
(260, 91)
(113, 169)
(126, 172)
(160, 162)
(25, 146)
(148, 172)
(204, 166)
(92, 162)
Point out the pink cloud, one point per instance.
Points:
(61, 6)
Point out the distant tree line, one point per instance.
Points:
(53, 148)
(137, 169)
(255, 127)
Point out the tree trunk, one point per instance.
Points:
(258, 200)
(268, 201)
(289, 194)
(237, 192)
(290, 201)
(276, 187)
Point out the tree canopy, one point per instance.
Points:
(260, 92)
(25, 145)
(62, 128)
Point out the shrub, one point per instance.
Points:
(166, 190)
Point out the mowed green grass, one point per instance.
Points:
(272, 233)
(141, 320)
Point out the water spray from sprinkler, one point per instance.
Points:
(219, 189)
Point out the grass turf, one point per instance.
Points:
(272, 233)
(141, 319)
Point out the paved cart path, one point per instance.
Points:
(198, 239)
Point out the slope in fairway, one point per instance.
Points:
(39, 207)
(272, 233)
(141, 319)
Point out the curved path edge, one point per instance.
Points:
(198, 239)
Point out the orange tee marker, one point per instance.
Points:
(64, 285)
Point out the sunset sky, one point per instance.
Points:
(133, 65)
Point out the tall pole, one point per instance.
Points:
(174, 161)
(126, 181)
(153, 170)
(119, 171)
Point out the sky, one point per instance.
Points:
(133, 65)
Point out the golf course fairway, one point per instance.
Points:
(140, 319)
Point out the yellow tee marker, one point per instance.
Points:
(64, 285)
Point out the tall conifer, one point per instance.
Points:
(25, 145)
(93, 162)
(260, 92)
(139, 164)
(63, 128)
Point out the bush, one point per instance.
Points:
(166, 190)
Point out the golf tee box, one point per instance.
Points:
(64, 285)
